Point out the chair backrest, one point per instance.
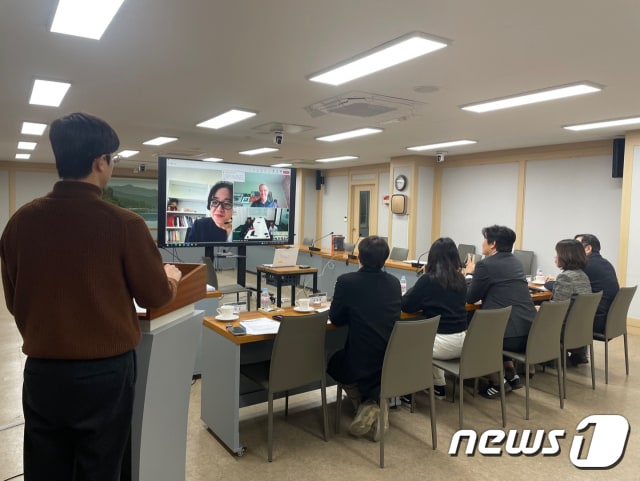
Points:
(399, 254)
(526, 259)
(482, 348)
(407, 360)
(543, 343)
(578, 328)
(463, 250)
(307, 241)
(298, 357)
(616, 323)
(212, 277)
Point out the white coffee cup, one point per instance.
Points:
(226, 312)
(539, 279)
(303, 304)
(316, 300)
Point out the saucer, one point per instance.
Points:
(300, 309)
(233, 317)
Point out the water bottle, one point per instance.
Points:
(265, 299)
(403, 285)
(539, 271)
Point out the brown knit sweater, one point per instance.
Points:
(71, 264)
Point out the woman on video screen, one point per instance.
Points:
(216, 227)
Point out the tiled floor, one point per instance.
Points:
(301, 454)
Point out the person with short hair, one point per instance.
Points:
(498, 281)
(368, 302)
(602, 276)
(263, 199)
(71, 266)
(217, 226)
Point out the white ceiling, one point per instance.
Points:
(165, 65)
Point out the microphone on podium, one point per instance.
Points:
(417, 262)
(313, 247)
(352, 255)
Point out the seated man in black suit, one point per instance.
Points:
(368, 302)
(498, 281)
(603, 278)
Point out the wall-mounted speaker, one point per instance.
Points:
(617, 163)
(319, 179)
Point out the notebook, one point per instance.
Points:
(284, 257)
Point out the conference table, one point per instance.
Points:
(225, 390)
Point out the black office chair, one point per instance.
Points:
(399, 254)
(526, 259)
(464, 250)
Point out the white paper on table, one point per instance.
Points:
(259, 326)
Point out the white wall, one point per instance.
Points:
(399, 234)
(383, 210)
(334, 209)
(475, 197)
(30, 185)
(566, 197)
(633, 258)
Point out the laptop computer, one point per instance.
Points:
(284, 257)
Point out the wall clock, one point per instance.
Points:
(401, 182)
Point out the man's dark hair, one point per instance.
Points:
(590, 240)
(501, 235)
(373, 251)
(77, 140)
(571, 255)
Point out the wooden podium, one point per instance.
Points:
(166, 357)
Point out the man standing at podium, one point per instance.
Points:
(71, 265)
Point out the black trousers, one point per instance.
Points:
(369, 386)
(77, 417)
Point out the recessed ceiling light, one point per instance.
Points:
(603, 124)
(212, 159)
(387, 55)
(128, 153)
(552, 93)
(84, 19)
(230, 117)
(23, 156)
(336, 159)
(33, 128)
(441, 145)
(258, 151)
(349, 135)
(160, 140)
(282, 165)
(46, 92)
(27, 145)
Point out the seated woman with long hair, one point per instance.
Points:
(441, 291)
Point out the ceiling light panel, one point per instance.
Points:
(212, 159)
(128, 153)
(33, 128)
(603, 124)
(261, 150)
(48, 93)
(387, 55)
(160, 140)
(336, 159)
(23, 156)
(282, 165)
(349, 135)
(82, 18)
(552, 93)
(230, 117)
(27, 145)
(452, 143)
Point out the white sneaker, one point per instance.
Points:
(365, 417)
(374, 433)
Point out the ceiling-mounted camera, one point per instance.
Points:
(440, 156)
(278, 137)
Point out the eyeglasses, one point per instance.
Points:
(225, 205)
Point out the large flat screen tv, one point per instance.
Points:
(219, 204)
